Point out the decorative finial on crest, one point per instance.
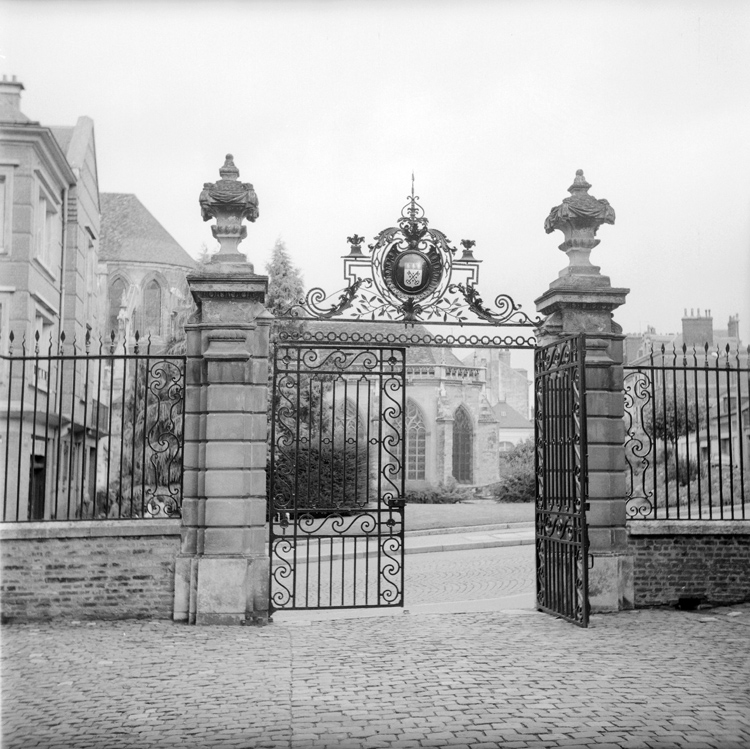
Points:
(579, 183)
(229, 170)
(579, 217)
(355, 242)
(467, 254)
(229, 201)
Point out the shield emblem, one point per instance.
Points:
(410, 272)
(412, 275)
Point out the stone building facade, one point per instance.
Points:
(461, 415)
(50, 232)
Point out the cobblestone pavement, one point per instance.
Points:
(516, 679)
(458, 575)
(469, 575)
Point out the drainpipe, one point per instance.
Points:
(63, 239)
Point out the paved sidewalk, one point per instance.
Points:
(516, 679)
(451, 539)
(478, 537)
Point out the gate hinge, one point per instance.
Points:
(591, 561)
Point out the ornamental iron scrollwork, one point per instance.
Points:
(336, 476)
(410, 273)
(417, 338)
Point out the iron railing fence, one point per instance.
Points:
(687, 440)
(90, 432)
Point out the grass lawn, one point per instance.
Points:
(423, 517)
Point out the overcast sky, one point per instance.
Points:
(329, 106)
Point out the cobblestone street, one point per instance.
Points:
(517, 679)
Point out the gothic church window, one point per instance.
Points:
(116, 298)
(463, 447)
(151, 309)
(416, 438)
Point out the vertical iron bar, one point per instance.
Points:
(380, 467)
(665, 429)
(270, 503)
(183, 379)
(687, 426)
(47, 462)
(85, 422)
(332, 500)
(133, 440)
(402, 503)
(72, 423)
(59, 399)
(346, 443)
(32, 456)
(653, 374)
(675, 433)
(7, 436)
(718, 434)
(111, 402)
(123, 401)
(20, 429)
(699, 463)
(98, 422)
(729, 433)
(706, 381)
(297, 380)
(740, 431)
(144, 439)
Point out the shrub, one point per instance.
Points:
(684, 470)
(423, 497)
(517, 479)
(321, 478)
(449, 493)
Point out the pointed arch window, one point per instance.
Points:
(152, 309)
(416, 439)
(463, 447)
(349, 427)
(116, 298)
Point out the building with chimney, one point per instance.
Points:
(697, 330)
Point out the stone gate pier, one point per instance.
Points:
(581, 300)
(221, 572)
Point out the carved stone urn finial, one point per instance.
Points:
(578, 218)
(229, 201)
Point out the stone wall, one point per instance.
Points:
(116, 569)
(708, 561)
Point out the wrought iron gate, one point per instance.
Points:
(336, 478)
(561, 479)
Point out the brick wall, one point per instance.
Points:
(709, 560)
(88, 570)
